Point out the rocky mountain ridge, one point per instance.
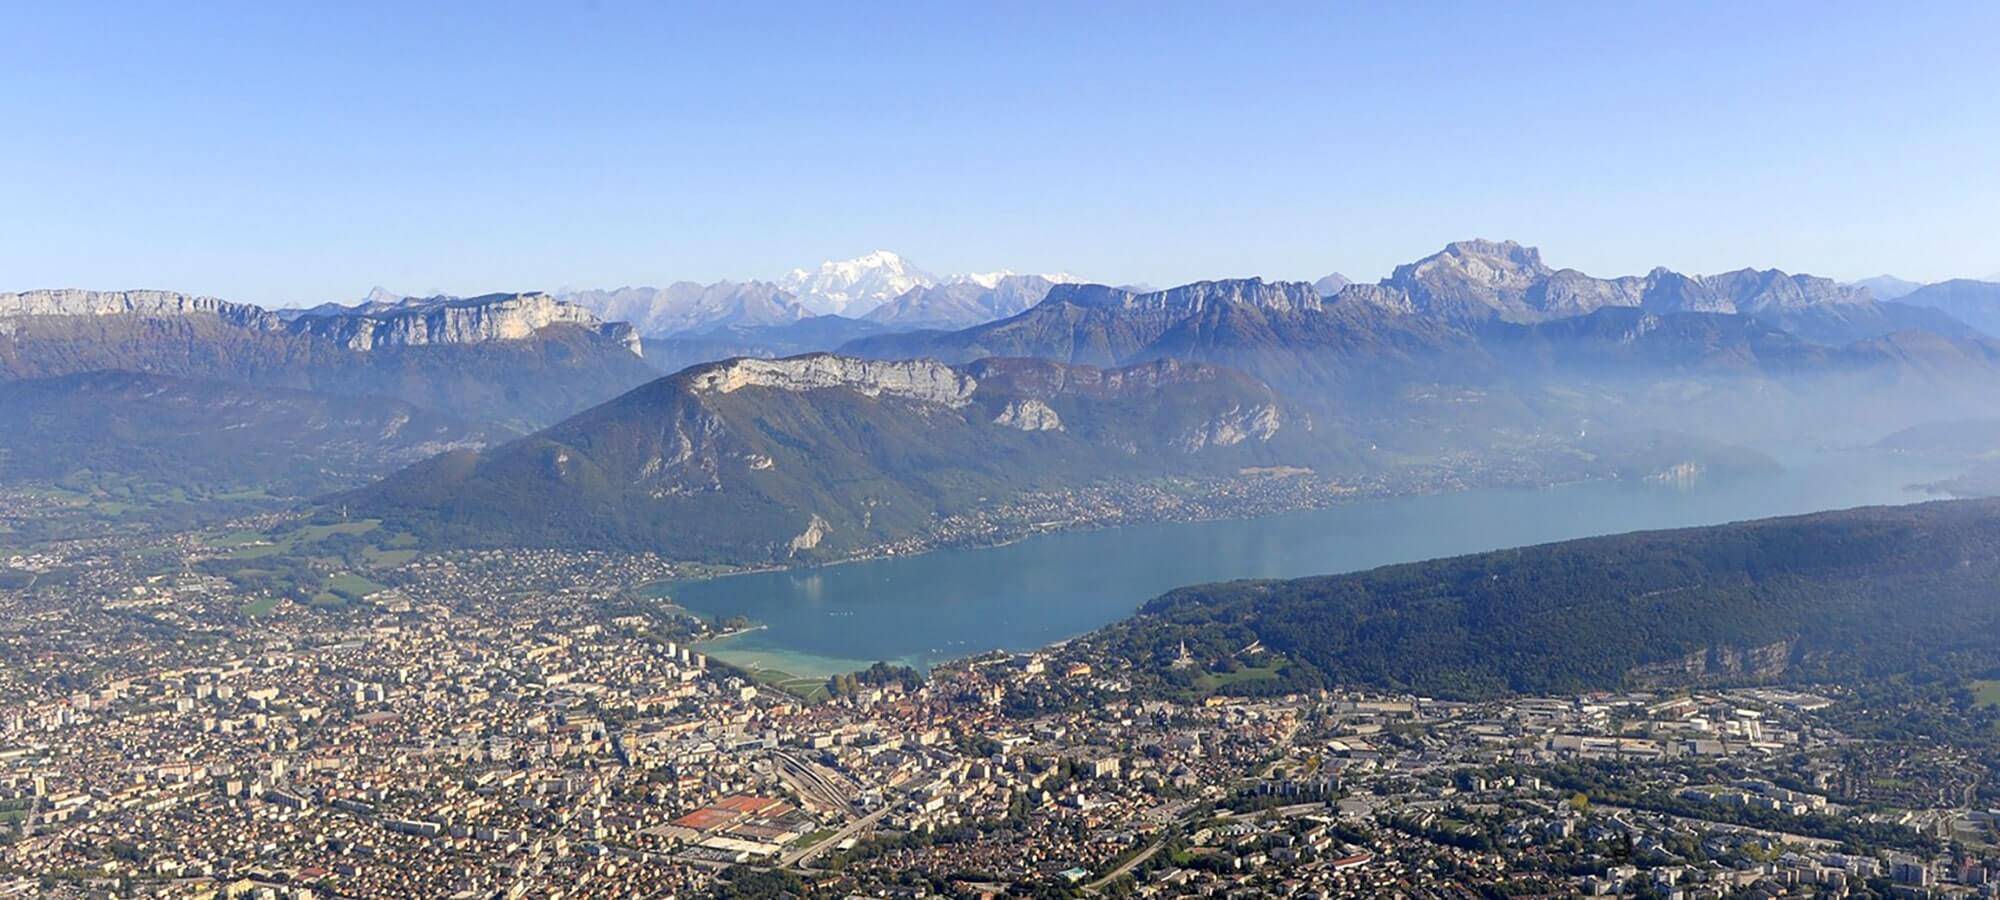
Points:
(923, 380)
(1482, 279)
(69, 302)
(509, 360)
(441, 320)
(853, 452)
(964, 301)
(492, 317)
(1445, 305)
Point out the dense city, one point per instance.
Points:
(528, 725)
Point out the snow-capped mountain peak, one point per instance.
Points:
(881, 286)
(991, 280)
(852, 287)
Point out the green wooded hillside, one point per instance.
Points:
(1850, 595)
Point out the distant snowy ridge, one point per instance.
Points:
(853, 287)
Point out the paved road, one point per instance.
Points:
(1129, 865)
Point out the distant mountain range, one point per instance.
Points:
(879, 287)
(686, 307)
(170, 408)
(1976, 303)
(207, 436)
(965, 301)
(515, 360)
(1467, 281)
(1329, 285)
(855, 286)
(1476, 364)
(1474, 281)
(1482, 344)
(1470, 293)
(1886, 287)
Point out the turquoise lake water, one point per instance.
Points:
(919, 610)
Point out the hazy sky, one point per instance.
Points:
(294, 152)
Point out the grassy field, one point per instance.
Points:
(256, 551)
(256, 545)
(308, 564)
(1986, 692)
(315, 533)
(348, 584)
(251, 494)
(388, 551)
(261, 607)
(238, 538)
(388, 559)
(811, 690)
(1210, 682)
(129, 501)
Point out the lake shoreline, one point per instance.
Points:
(926, 609)
(868, 556)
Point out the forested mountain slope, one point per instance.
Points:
(1849, 595)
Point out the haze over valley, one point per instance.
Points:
(976, 451)
(1478, 365)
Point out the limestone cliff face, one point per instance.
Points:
(494, 317)
(524, 361)
(1476, 273)
(1029, 414)
(816, 530)
(1259, 423)
(694, 451)
(1189, 407)
(1716, 664)
(1281, 296)
(1476, 280)
(923, 380)
(1376, 296)
(143, 304)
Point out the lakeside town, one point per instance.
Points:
(525, 725)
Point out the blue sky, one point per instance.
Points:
(290, 152)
